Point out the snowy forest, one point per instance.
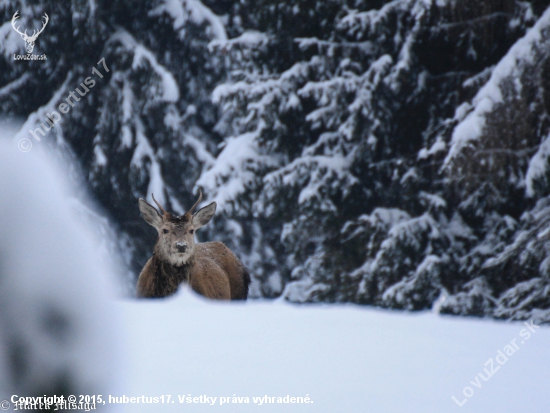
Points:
(385, 153)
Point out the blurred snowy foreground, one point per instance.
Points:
(64, 331)
(346, 358)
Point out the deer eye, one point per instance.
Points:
(165, 231)
(191, 231)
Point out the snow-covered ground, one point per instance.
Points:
(346, 358)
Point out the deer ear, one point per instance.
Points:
(150, 214)
(204, 215)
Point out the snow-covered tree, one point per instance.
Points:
(391, 153)
(345, 166)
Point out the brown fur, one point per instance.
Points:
(214, 272)
(210, 268)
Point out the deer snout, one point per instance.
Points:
(181, 246)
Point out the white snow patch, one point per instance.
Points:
(438, 146)
(16, 84)
(127, 99)
(92, 6)
(34, 119)
(99, 156)
(203, 155)
(433, 200)
(142, 151)
(183, 10)
(170, 89)
(538, 166)
(250, 38)
(10, 42)
(235, 168)
(169, 85)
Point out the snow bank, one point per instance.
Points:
(57, 319)
(346, 358)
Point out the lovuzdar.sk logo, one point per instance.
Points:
(29, 40)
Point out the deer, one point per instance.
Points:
(29, 40)
(209, 268)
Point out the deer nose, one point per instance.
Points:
(181, 246)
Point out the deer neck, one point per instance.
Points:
(167, 271)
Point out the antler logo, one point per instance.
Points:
(29, 40)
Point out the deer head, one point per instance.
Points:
(176, 234)
(29, 40)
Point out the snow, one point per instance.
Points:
(458, 228)
(100, 158)
(200, 150)
(14, 85)
(10, 41)
(92, 6)
(336, 164)
(518, 301)
(434, 201)
(127, 99)
(379, 218)
(481, 77)
(228, 169)
(57, 311)
(143, 152)
(142, 56)
(522, 53)
(169, 85)
(250, 38)
(322, 172)
(346, 358)
(409, 231)
(182, 10)
(34, 119)
(538, 165)
(424, 282)
(299, 291)
(438, 146)
(236, 151)
(368, 22)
